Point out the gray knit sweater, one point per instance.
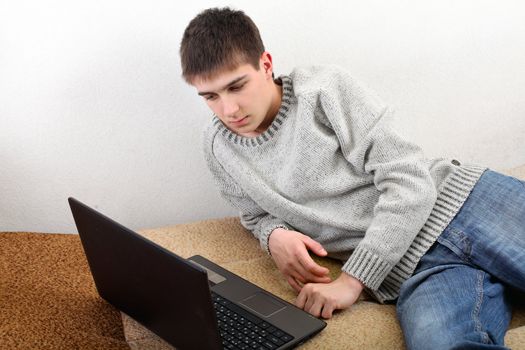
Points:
(331, 167)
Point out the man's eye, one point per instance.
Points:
(237, 87)
(209, 97)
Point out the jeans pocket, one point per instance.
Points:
(457, 241)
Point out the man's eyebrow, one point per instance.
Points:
(233, 82)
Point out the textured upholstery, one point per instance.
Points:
(366, 325)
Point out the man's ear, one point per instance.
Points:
(266, 64)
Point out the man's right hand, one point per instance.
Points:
(289, 250)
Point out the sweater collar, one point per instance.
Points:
(274, 127)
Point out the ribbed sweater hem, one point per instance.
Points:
(453, 192)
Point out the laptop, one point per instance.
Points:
(190, 303)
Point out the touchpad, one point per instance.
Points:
(263, 304)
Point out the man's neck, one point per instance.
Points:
(273, 110)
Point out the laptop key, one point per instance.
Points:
(269, 345)
(286, 338)
(271, 329)
(276, 340)
(278, 333)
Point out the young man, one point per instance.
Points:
(311, 163)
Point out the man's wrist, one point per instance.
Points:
(278, 228)
(351, 281)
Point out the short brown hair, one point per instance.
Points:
(219, 39)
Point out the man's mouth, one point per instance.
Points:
(239, 121)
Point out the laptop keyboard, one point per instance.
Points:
(242, 330)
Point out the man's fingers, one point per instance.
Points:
(308, 277)
(314, 302)
(316, 308)
(324, 279)
(300, 275)
(295, 285)
(314, 246)
(305, 276)
(301, 300)
(327, 312)
(309, 265)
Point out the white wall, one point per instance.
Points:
(92, 104)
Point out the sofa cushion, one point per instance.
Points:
(366, 325)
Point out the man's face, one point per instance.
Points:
(244, 99)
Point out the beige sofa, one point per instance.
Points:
(366, 325)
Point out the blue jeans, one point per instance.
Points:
(458, 296)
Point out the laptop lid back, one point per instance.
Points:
(161, 290)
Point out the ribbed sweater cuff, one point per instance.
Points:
(367, 267)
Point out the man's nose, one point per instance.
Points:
(229, 107)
